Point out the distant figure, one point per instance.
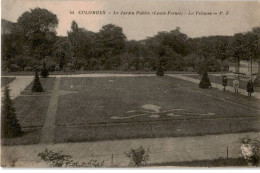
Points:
(224, 82)
(250, 88)
(236, 85)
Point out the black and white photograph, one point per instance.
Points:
(130, 84)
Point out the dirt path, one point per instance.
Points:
(161, 149)
(18, 85)
(48, 130)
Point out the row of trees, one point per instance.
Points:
(34, 40)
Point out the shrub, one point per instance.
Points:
(138, 157)
(205, 83)
(226, 67)
(44, 72)
(57, 68)
(257, 81)
(28, 69)
(51, 68)
(251, 150)
(160, 71)
(58, 159)
(70, 67)
(132, 68)
(37, 87)
(14, 67)
(10, 125)
(36, 68)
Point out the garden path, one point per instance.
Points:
(48, 130)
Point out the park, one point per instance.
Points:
(97, 95)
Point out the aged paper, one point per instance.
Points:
(120, 83)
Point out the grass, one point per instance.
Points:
(31, 136)
(89, 72)
(47, 84)
(6, 80)
(85, 114)
(221, 162)
(86, 105)
(31, 109)
(218, 79)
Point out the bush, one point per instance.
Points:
(160, 71)
(14, 68)
(10, 125)
(57, 68)
(37, 87)
(205, 83)
(51, 68)
(251, 150)
(36, 68)
(44, 72)
(257, 81)
(58, 159)
(69, 67)
(28, 69)
(138, 157)
(226, 67)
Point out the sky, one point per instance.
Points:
(241, 17)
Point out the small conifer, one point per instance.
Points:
(37, 87)
(205, 82)
(10, 125)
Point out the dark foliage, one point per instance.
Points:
(34, 38)
(205, 83)
(37, 87)
(138, 157)
(160, 71)
(45, 71)
(58, 159)
(10, 125)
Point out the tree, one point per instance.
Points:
(37, 29)
(238, 49)
(205, 82)
(10, 125)
(61, 51)
(44, 72)
(37, 87)
(221, 49)
(255, 48)
(110, 39)
(81, 45)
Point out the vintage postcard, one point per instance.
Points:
(130, 83)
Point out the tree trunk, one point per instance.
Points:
(237, 67)
(257, 80)
(222, 67)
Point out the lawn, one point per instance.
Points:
(218, 79)
(6, 80)
(91, 109)
(119, 108)
(31, 109)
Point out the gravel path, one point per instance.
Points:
(161, 149)
(48, 130)
(18, 85)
